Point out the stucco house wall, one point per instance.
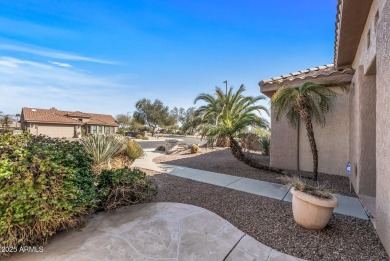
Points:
(284, 144)
(290, 148)
(383, 126)
(332, 140)
(54, 130)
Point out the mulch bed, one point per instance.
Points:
(222, 161)
(271, 222)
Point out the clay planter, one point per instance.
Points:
(312, 212)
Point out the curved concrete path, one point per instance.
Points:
(156, 231)
(348, 206)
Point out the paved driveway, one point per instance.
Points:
(152, 144)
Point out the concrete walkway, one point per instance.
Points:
(348, 206)
(156, 231)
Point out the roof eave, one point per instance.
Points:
(350, 21)
(268, 88)
(53, 122)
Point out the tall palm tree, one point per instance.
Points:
(17, 115)
(229, 115)
(309, 102)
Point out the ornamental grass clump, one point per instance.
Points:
(302, 186)
(133, 150)
(46, 185)
(103, 148)
(123, 187)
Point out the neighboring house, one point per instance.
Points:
(357, 130)
(65, 124)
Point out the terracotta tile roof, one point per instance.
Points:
(312, 73)
(78, 114)
(66, 117)
(104, 119)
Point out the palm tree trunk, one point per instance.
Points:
(312, 141)
(236, 150)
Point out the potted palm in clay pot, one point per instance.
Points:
(312, 206)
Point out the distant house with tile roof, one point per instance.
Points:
(65, 124)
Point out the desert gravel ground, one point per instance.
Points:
(222, 161)
(271, 222)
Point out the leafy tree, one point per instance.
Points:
(187, 119)
(154, 114)
(127, 123)
(124, 120)
(6, 120)
(230, 115)
(308, 102)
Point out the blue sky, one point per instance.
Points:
(103, 56)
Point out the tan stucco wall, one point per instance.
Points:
(54, 130)
(354, 129)
(383, 127)
(366, 56)
(284, 144)
(332, 140)
(362, 132)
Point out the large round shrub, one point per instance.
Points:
(46, 185)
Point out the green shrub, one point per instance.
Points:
(103, 147)
(133, 150)
(139, 136)
(46, 185)
(123, 187)
(265, 145)
(145, 138)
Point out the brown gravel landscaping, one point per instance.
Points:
(270, 221)
(222, 161)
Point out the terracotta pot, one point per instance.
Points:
(312, 212)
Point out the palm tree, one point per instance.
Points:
(17, 115)
(228, 116)
(6, 121)
(309, 102)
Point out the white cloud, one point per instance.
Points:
(34, 84)
(67, 65)
(52, 54)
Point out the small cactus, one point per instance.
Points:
(194, 148)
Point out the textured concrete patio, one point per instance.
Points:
(156, 231)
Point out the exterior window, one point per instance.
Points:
(112, 129)
(100, 129)
(107, 130)
(94, 129)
